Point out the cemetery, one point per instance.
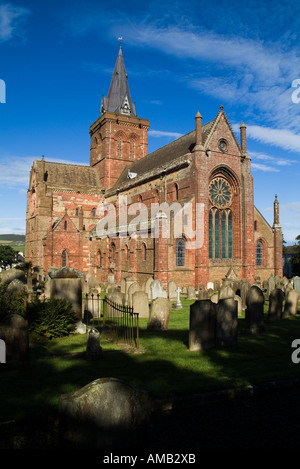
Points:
(85, 384)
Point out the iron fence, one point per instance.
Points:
(121, 320)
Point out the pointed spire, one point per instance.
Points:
(276, 212)
(118, 98)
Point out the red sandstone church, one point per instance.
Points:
(115, 217)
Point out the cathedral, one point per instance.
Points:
(184, 212)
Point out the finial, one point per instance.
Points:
(120, 39)
(221, 107)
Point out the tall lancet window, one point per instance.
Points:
(220, 220)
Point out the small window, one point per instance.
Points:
(65, 225)
(132, 150)
(259, 253)
(93, 212)
(64, 259)
(144, 252)
(176, 192)
(180, 253)
(77, 212)
(99, 258)
(255, 225)
(113, 252)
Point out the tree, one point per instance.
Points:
(295, 261)
(7, 256)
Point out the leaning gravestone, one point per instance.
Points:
(202, 325)
(254, 314)
(14, 333)
(276, 298)
(67, 283)
(106, 414)
(159, 314)
(140, 304)
(226, 322)
(291, 303)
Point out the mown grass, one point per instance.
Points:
(164, 365)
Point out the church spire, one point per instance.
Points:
(118, 99)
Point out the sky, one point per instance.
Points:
(56, 62)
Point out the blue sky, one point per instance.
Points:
(181, 56)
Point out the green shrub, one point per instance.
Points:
(12, 302)
(52, 318)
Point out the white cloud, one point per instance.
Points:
(11, 19)
(161, 133)
(282, 138)
(264, 167)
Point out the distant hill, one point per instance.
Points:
(12, 237)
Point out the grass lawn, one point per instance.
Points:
(164, 365)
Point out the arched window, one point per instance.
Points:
(119, 147)
(259, 253)
(126, 253)
(180, 253)
(99, 258)
(65, 225)
(113, 252)
(64, 259)
(77, 212)
(175, 192)
(255, 225)
(93, 212)
(220, 234)
(132, 150)
(144, 252)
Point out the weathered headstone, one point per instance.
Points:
(291, 303)
(134, 287)
(157, 290)
(106, 414)
(202, 325)
(172, 294)
(297, 283)
(159, 314)
(67, 283)
(148, 287)
(140, 304)
(202, 293)
(226, 322)
(191, 294)
(276, 298)
(210, 285)
(226, 292)
(254, 314)
(93, 349)
(14, 333)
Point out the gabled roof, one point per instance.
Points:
(157, 160)
(118, 98)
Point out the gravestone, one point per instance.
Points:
(123, 285)
(140, 304)
(93, 349)
(159, 314)
(214, 298)
(254, 314)
(178, 304)
(191, 294)
(106, 414)
(129, 281)
(244, 286)
(115, 297)
(291, 303)
(217, 285)
(226, 322)
(276, 298)
(202, 293)
(202, 325)
(271, 284)
(134, 287)
(148, 287)
(14, 333)
(157, 290)
(297, 283)
(238, 299)
(226, 292)
(210, 285)
(172, 294)
(67, 283)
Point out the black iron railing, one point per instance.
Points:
(122, 321)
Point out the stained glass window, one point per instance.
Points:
(220, 234)
(219, 192)
(259, 253)
(180, 253)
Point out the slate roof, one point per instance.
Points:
(69, 177)
(118, 90)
